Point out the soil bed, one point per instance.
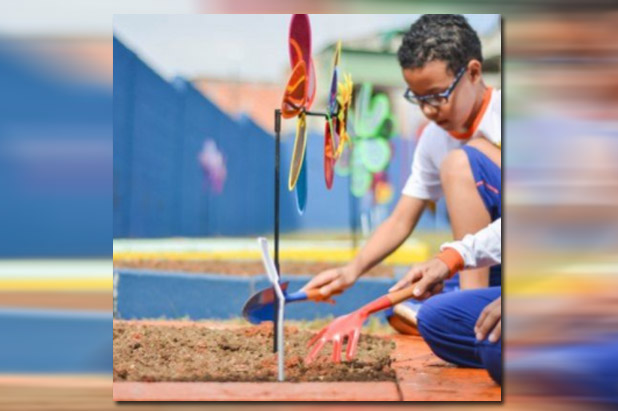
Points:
(248, 267)
(148, 353)
(231, 267)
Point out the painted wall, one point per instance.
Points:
(160, 189)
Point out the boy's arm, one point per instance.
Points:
(387, 237)
(474, 250)
(390, 234)
(482, 249)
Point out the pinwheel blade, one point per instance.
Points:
(295, 95)
(298, 155)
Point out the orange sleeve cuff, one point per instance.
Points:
(452, 259)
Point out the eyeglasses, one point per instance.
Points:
(434, 100)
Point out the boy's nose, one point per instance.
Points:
(429, 111)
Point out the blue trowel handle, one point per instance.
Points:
(313, 295)
(297, 296)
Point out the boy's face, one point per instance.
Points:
(434, 78)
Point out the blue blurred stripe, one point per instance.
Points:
(49, 341)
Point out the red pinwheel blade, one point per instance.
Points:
(329, 154)
(311, 86)
(295, 94)
(300, 39)
(300, 50)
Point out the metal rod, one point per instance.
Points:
(315, 113)
(280, 335)
(277, 328)
(277, 194)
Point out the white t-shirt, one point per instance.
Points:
(435, 143)
(482, 249)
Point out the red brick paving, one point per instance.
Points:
(421, 376)
(250, 391)
(424, 377)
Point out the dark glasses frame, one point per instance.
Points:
(435, 100)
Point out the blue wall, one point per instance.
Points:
(155, 294)
(55, 160)
(159, 188)
(50, 341)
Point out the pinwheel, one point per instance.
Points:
(335, 130)
(297, 99)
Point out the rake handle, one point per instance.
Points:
(389, 300)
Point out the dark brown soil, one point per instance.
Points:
(240, 267)
(145, 352)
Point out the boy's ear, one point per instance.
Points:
(475, 70)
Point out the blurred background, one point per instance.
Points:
(61, 163)
(223, 92)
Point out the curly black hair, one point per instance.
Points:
(446, 37)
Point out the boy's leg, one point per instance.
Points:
(470, 177)
(489, 149)
(446, 322)
(472, 182)
(491, 358)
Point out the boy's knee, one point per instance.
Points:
(423, 317)
(456, 166)
(488, 149)
(442, 334)
(430, 316)
(428, 324)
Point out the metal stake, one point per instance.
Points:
(277, 189)
(277, 199)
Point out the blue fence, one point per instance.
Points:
(37, 341)
(55, 161)
(159, 187)
(155, 295)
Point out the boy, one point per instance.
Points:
(457, 155)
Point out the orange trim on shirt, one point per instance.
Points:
(477, 120)
(453, 260)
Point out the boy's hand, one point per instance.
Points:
(333, 280)
(427, 278)
(490, 319)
